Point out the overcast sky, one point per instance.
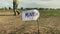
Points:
(32, 3)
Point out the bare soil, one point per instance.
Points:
(10, 24)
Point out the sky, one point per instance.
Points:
(31, 3)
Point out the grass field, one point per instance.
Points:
(49, 23)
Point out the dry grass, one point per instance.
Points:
(10, 24)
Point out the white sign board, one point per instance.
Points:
(30, 15)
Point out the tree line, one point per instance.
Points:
(5, 8)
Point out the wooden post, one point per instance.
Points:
(38, 26)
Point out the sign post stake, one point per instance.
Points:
(38, 26)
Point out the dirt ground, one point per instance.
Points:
(10, 24)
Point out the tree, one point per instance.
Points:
(21, 8)
(5, 8)
(41, 8)
(9, 8)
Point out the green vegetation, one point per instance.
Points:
(49, 13)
